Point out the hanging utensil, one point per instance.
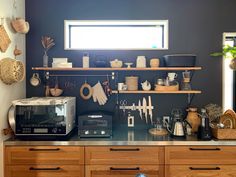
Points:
(140, 109)
(123, 103)
(145, 108)
(150, 107)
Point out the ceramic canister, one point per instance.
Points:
(131, 82)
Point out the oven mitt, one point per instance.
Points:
(99, 94)
(102, 98)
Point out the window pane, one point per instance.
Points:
(116, 35)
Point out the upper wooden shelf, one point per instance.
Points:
(160, 92)
(117, 69)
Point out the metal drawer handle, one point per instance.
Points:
(216, 168)
(204, 149)
(120, 169)
(34, 149)
(136, 149)
(49, 169)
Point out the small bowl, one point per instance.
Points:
(116, 63)
(56, 91)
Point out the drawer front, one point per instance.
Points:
(18, 155)
(200, 171)
(124, 170)
(45, 171)
(200, 155)
(124, 155)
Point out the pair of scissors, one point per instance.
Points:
(123, 103)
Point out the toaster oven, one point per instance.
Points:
(95, 124)
(44, 116)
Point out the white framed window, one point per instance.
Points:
(228, 74)
(116, 35)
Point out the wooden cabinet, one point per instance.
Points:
(200, 171)
(124, 161)
(43, 161)
(200, 155)
(124, 155)
(124, 170)
(200, 161)
(44, 171)
(18, 155)
(120, 161)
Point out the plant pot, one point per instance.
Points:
(232, 64)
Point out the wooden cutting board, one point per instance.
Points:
(4, 39)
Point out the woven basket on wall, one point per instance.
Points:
(11, 71)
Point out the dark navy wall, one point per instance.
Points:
(194, 27)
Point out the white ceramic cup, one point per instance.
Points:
(120, 86)
(172, 76)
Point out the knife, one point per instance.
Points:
(140, 109)
(145, 108)
(150, 108)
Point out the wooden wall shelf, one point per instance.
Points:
(159, 92)
(117, 69)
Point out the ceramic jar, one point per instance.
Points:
(193, 119)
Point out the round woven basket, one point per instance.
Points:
(11, 71)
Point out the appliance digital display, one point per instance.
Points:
(40, 130)
(99, 123)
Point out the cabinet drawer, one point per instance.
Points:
(124, 170)
(124, 155)
(200, 171)
(18, 155)
(45, 171)
(200, 155)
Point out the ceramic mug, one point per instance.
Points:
(120, 86)
(172, 76)
(20, 25)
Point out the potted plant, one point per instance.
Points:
(229, 53)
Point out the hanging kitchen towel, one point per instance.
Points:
(4, 39)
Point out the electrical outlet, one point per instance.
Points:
(166, 119)
(130, 121)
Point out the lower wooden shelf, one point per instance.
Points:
(159, 92)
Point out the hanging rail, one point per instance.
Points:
(112, 75)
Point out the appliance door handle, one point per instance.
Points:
(124, 169)
(193, 168)
(130, 149)
(204, 149)
(35, 149)
(44, 169)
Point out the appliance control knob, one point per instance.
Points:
(95, 132)
(54, 130)
(86, 132)
(103, 132)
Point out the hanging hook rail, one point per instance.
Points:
(112, 75)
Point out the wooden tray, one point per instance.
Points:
(224, 134)
(167, 88)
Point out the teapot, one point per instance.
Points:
(146, 85)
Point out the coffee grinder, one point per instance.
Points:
(186, 81)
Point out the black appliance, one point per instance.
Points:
(95, 124)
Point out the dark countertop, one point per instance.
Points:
(121, 136)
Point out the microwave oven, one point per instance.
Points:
(43, 116)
